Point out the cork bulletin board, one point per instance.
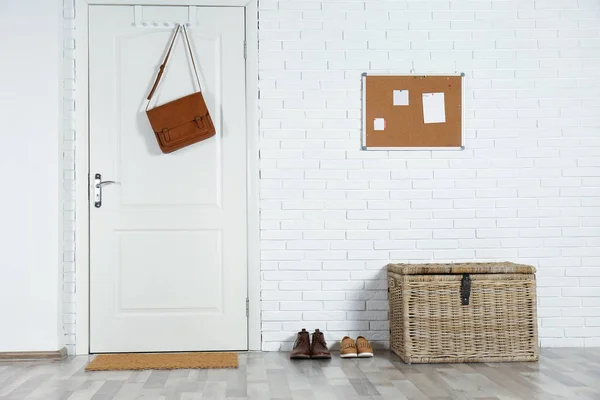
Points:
(412, 112)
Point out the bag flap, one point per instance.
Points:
(461, 268)
(177, 112)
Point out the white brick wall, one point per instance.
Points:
(68, 76)
(526, 189)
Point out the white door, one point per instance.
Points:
(168, 244)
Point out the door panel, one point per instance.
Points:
(143, 251)
(168, 245)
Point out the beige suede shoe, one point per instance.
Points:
(364, 349)
(348, 348)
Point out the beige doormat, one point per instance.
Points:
(139, 361)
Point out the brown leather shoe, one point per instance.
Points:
(364, 347)
(318, 347)
(301, 348)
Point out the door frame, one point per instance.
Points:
(82, 165)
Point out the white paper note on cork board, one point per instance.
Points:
(400, 97)
(379, 124)
(434, 109)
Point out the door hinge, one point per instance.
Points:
(245, 49)
(247, 307)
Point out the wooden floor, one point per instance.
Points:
(572, 374)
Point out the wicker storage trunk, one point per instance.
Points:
(472, 312)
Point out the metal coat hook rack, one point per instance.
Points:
(160, 24)
(139, 21)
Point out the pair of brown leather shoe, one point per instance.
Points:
(306, 348)
(351, 349)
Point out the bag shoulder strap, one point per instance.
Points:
(164, 63)
(187, 40)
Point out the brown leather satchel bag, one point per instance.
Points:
(184, 121)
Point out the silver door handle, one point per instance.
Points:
(98, 184)
(102, 183)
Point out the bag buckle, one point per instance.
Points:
(465, 289)
(165, 135)
(199, 122)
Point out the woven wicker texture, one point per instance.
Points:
(429, 324)
(462, 268)
(120, 362)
